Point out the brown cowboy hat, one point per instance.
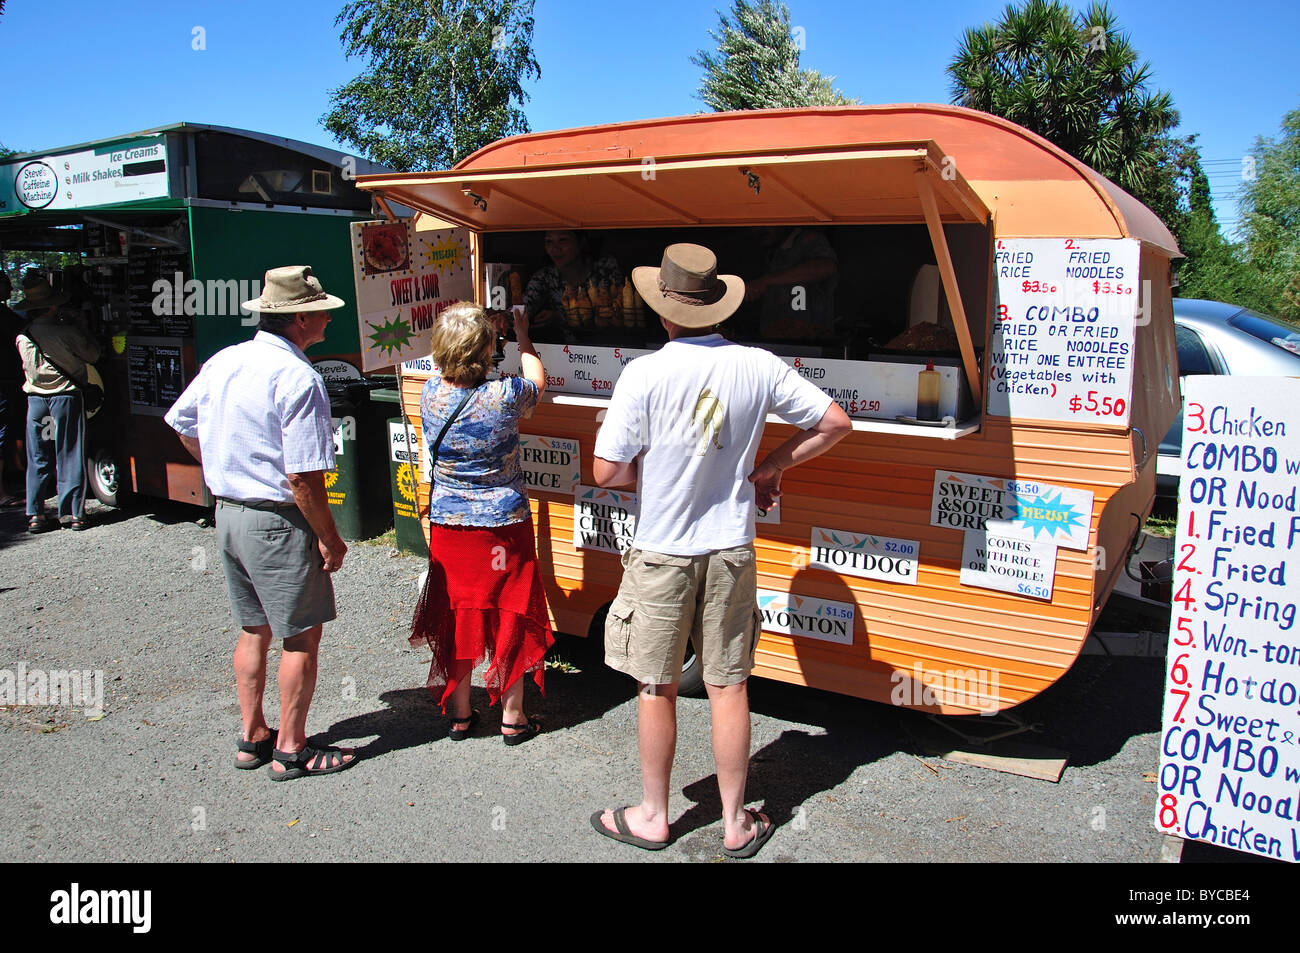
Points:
(290, 289)
(686, 288)
(37, 294)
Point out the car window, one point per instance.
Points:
(1193, 358)
(1256, 325)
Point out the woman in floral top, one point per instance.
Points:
(483, 596)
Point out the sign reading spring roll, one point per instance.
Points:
(575, 369)
(1017, 509)
(404, 279)
(1065, 317)
(603, 519)
(861, 554)
(1020, 566)
(550, 464)
(788, 614)
(1230, 738)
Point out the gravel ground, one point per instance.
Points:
(141, 597)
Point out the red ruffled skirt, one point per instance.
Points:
(483, 601)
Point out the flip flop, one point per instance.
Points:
(761, 834)
(624, 833)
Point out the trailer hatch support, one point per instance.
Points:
(949, 275)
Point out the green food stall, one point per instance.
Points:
(166, 231)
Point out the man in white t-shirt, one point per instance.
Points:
(684, 425)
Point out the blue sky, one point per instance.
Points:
(83, 69)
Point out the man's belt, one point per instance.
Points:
(257, 504)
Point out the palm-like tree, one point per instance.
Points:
(1075, 81)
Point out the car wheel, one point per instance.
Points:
(692, 683)
(105, 477)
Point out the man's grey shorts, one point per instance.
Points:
(274, 570)
(664, 600)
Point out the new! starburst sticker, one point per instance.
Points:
(447, 254)
(391, 336)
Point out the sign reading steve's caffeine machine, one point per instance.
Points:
(1230, 744)
(1061, 346)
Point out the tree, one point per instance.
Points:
(1270, 216)
(442, 78)
(756, 64)
(1075, 81)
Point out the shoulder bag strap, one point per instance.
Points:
(433, 450)
(77, 382)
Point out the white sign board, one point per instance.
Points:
(550, 464)
(574, 368)
(1020, 566)
(788, 614)
(865, 555)
(881, 390)
(1230, 744)
(603, 519)
(1061, 346)
(1019, 509)
(120, 172)
(404, 279)
(398, 448)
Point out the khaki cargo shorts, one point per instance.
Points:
(664, 600)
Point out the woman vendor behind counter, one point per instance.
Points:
(572, 265)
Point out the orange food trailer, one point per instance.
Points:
(954, 565)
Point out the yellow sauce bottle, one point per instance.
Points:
(927, 393)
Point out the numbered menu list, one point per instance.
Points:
(1061, 346)
(1230, 744)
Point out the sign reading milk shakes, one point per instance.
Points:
(1230, 739)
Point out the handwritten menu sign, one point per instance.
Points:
(1061, 346)
(1230, 744)
(404, 279)
(575, 369)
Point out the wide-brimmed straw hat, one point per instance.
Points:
(38, 293)
(290, 289)
(686, 288)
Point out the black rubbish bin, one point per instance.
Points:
(356, 488)
(404, 474)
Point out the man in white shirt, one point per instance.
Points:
(684, 425)
(258, 418)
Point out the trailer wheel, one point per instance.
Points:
(692, 683)
(105, 478)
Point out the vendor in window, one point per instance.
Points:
(798, 286)
(573, 267)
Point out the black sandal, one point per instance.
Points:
(529, 729)
(41, 524)
(460, 734)
(307, 762)
(261, 751)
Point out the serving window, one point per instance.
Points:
(865, 322)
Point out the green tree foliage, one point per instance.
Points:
(756, 63)
(443, 78)
(1076, 81)
(1270, 216)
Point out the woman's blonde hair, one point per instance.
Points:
(462, 343)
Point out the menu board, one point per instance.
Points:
(1061, 346)
(156, 371)
(1230, 740)
(550, 464)
(404, 279)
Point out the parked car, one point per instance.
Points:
(1219, 338)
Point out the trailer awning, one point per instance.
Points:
(851, 185)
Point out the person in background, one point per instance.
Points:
(55, 350)
(257, 417)
(798, 287)
(684, 425)
(572, 264)
(483, 596)
(13, 402)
